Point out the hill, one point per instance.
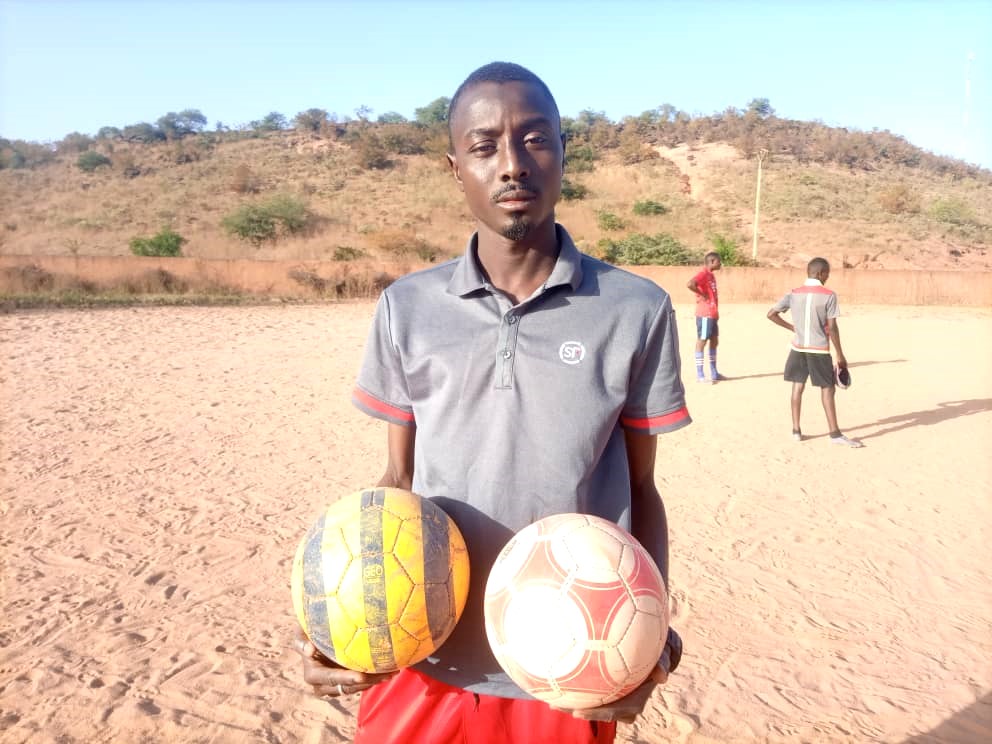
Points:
(382, 190)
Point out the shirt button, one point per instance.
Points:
(507, 354)
(512, 319)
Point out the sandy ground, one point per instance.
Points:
(159, 466)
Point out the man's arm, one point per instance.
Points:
(648, 521)
(693, 286)
(399, 457)
(775, 316)
(650, 526)
(833, 331)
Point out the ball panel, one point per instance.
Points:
(314, 605)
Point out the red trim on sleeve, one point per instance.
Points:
(377, 405)
(650, 423)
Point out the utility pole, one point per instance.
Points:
(757, 205)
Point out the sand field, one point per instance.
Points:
(159, 465)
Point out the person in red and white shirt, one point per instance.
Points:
(814, 321)
(703, 285)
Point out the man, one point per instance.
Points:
(521, 380)
(703, 285)
(814, 315)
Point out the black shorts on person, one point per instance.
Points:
(819, 368)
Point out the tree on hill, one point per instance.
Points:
(760, 107)
(272, 122)
(311, 120)
(435, 112)
(177, 126)
(391, 117)
(142, 132)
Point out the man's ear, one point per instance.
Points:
(564, 139)
(453, 165)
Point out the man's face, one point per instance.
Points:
(713, 263)
(507, 156)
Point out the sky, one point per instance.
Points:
(922, 70)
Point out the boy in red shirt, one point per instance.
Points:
(703, 285)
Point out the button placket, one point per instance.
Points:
(506, 350)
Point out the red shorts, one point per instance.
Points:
(412, 707)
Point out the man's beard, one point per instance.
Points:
(517, 230)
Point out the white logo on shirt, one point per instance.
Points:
(572, 352)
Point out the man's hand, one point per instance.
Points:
(327, 678)
(627, 708)
(841, 361)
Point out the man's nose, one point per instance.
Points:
(516, 162)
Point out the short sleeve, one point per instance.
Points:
(381, 389)
(833, 310)
(784, 304)
(656, 396)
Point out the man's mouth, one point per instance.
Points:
(515, 198)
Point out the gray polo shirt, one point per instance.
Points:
(520, 409)
(811, 305)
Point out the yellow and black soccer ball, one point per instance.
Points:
(380, 580)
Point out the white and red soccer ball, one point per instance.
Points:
(576, 611)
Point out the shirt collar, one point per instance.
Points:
(812, 283)
(468, 276)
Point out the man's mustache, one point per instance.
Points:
(513, 187)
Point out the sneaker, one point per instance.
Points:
(704, 381)
(846, 442)
(797, 436)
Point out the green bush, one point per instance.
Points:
(951, 210)
(166, 243)
(252, 223)
(262, 222)
(580, 159)
(609, 221)
(727, 249)
(573, 191)
(640, 249)
(649, 207)
(288, 211)
(90, 160)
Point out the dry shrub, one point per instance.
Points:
(309, 279)
(899, 199)
(404, 243)
(362, 285)
(29, 278)
(349, 283)
(155, 281)
(244, 181)
(127, 166)
(634, 150)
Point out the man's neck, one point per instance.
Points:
(518, 268)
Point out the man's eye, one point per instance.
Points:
(536, 139)
(484, 148)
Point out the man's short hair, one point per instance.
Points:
(711, 254)
(498, 72)
(816, 266)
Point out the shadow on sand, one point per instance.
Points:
(779, 374)
(943, 412)
(973, 725)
